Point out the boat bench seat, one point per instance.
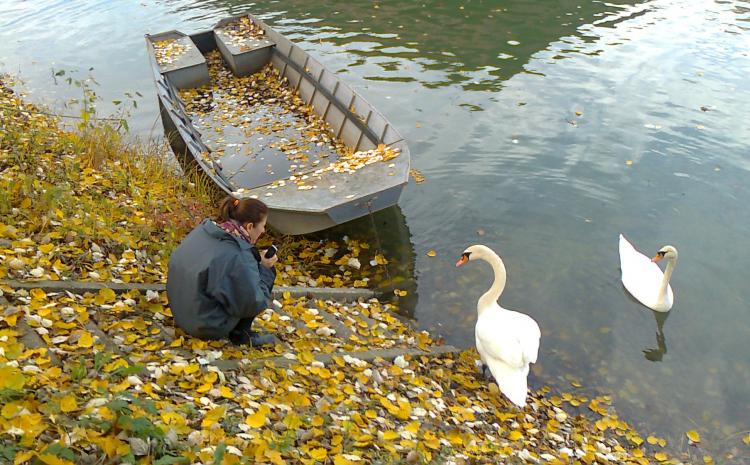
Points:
(179, 59)
(244, 55)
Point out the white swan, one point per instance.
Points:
(507, 341)
(643, 278)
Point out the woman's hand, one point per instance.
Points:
(268, 262)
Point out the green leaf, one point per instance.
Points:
(59, 451)
(8, 452)
(140, 427)
(78, 371)
(118, 406)
(221, 449)
(129, 370)
(169, 460)
(101, 359)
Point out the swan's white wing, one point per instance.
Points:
(640, 276)
(508, 336)
(530, 336)
(508, 341)
(511, 381)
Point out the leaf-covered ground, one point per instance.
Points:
(116, 383)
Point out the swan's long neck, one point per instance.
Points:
(665, 279)
(491, 296)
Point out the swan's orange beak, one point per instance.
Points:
(657, 257)
(462, 261)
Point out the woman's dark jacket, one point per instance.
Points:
(215, 279)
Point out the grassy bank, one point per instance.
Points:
(89, 206)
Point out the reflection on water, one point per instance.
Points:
(388, 232)
(550, 126)
(657, 353)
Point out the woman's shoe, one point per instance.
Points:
(252, 338)
(259, 339)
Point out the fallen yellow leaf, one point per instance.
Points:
(105, 296)
(341, 460)
(318, 453)
(259, 418)
(274, 456)
(226, 392)
(86, 340)
(22, 457)
(38, 294)
(52, 460)
(390, 435)
(68, 403)
(46, 248)
(212, 416)
(11, 378)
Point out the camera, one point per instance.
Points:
(271, 251)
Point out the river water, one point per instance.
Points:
(543, 130)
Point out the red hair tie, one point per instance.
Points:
(236, 202)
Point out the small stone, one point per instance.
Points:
(325, 331)
(354, 263)
(526, 456)
(152, 296)
(412, 457)
(37, 272)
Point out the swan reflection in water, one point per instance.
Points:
(657, 353)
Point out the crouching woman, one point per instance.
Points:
(218, 282)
